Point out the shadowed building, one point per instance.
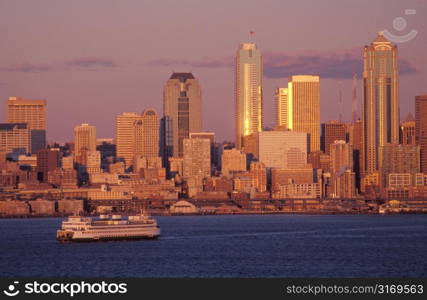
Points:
(407, 131)
(421, 129)
(332, 131)
(248, 92)
(182, 110)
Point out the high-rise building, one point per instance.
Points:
(84, 140)
(258, 173)
(341, 157)
(421, 129)
(32, 112)
(407, 131)
(207, 135)
(282, 149)
(248, 92)
(332, 131)
(47, 160)
(282, 107)
(232, 160)
(182, 107)
(14, 139)
(150, 134)
(399, 159)
(197, 158)
(304, 107)
(380, 101)
(129, 132)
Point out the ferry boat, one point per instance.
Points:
(106, 228)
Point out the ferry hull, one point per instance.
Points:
(67, 237)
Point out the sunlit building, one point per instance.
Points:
(304, 107)
(32, 112)
(380, 103)
(248, 92)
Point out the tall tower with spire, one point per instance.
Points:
(380, 100)
(248, 92)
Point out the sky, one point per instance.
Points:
(93, 60)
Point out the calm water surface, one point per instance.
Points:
(227, 246)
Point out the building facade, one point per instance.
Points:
(182, 107)
(248, 92)
(304, 107)
(421, 129)
(380, 102)
(84, 140)
(32, 112)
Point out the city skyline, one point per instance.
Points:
(62, 78)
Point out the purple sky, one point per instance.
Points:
(93, 60)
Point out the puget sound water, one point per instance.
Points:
(227, 246)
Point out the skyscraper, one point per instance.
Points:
(197, 157)
(304, 107)
(84, 140)
(248, 92)
(407, 131)
(282, 106)
(182, 107)
(332, 131)
(129, 129)
(282, 149)
(150, 134)
(380, 100)
(421, 129)
(14, 138)
(32, 112)
(399, 159)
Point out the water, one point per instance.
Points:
(227, 246)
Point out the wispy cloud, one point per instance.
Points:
(340, 64)
(201, 63)
(27, 68)
(92, 62)
(82, 63)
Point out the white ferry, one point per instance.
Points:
(85, 229)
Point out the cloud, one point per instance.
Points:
(91, 62)
(82, 63)
(202, 63)
(28, 68)
(340, 64)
